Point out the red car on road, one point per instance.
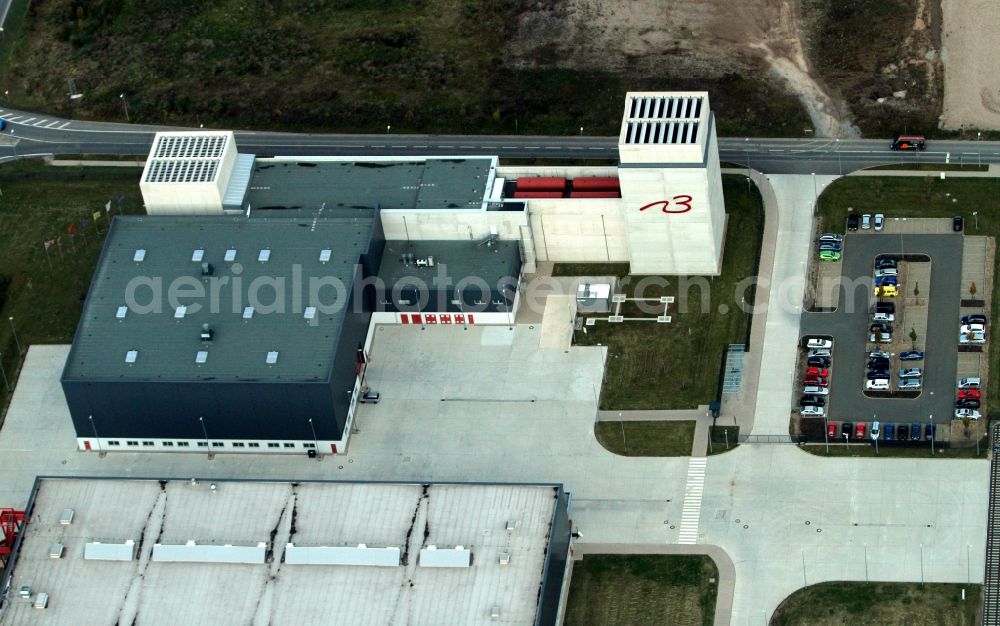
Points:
(969, 394)
(859, 431)
(818, 371)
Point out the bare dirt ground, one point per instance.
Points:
(700, 37)
(971, 54)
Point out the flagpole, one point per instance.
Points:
(47, 258)
(59, 245)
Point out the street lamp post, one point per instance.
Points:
(17, 342)
(826, 433)
(815, 192)
(840, 165)
(125, 104)
(315, 440)
(581, 131)
(3, 374)
(979, 148)
(388, 127)
(975, 218)
(847, 439)
(933, 432)
(204, 431)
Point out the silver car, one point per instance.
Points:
(908, 383)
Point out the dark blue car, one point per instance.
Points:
(889, 432)
(911, 355)
(886, 280)
(915, 431)
(929, 431)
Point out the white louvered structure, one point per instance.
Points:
(189, 172)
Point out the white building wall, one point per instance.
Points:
(469, 225)
(517, 171)
(179, 198)
(589, 230)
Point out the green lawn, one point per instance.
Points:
(641, 590)
(39, 202)
(646, 438)
(922, 196)
(880, 604)
(676, 365)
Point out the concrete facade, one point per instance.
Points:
(166, 186)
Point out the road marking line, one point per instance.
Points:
(39, 123)
(14, 119)
(693, 491)
(29, 120)
(65, 124)
(52, 124)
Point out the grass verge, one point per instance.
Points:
(900, 452)
(923, 196)
(877, 604)
(676, 365)
(723, 439)
(46, 292)
(590, 269)
(933, 167)
(646, 438)
(641, 589)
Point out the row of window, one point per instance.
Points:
(132, 443)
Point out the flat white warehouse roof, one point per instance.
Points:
(355, 558)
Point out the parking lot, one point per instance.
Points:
(848, 326)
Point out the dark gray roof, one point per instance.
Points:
(167, 346)
(459, 259)
(455, 183)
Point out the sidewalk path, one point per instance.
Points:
(700, 416)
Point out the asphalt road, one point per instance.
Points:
(35, 133)
(849, 327)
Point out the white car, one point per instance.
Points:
(816, 342)
(972, 414)
(888, 271)
(866, 221)
(821, 352)
(879, 221)
(815, 390)
(972, 338)
(879, 384)
(813, 411)
(972, 328)
(832, 237)
(883, 317)
(908, 383)
(876, 354)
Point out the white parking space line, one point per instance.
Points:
(65, 124)
(51, 124)
(14, 119)
(29, 120)
(39, 123)
(6, 116)
(693, 491)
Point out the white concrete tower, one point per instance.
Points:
(671, 184)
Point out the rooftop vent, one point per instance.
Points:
(201, 357)
(25, 592)
(230, 255)
(66, 517)
(207, 269)
(198, 255)
(247, 312)
(131, 356)
(56, 551)
(180, 311)
(310, 313)
(122, 310)
(139, 256)
(264, 256)
(41, 601)
(324, 256)
(504, 558)
(206, 332)
(272, 357)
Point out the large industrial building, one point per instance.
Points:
(237, 315)
(149, 552)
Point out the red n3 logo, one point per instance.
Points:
(683, 203)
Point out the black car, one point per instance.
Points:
(885, 307)
(967, 403)
(975, 318)
(902, 432)
(818, 361)
(846, 428)
(911, 355)
(929, 430)
(883, 263)
(812, 401)
(880, 327)
(915, 431)
(852, 221)
(957, 223)
(876, 374)
(878, 363)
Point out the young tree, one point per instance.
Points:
(913, 338)
(916, 289)
(972, 289)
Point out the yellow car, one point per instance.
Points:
(886, 291)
